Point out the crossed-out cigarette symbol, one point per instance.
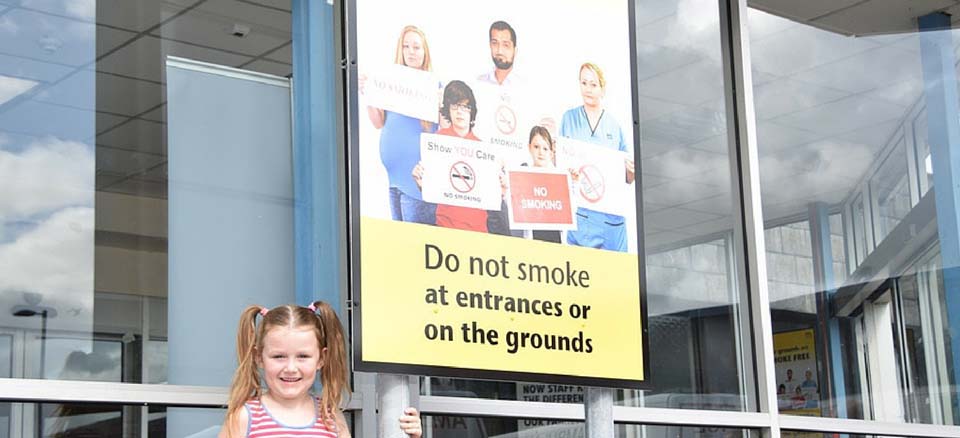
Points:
(462, 177)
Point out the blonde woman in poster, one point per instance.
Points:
(591, 123)
(400, 137)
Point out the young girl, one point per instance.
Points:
(288, 347)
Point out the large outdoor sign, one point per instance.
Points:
(495, 224)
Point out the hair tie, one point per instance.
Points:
(312, 308)
(263, 311)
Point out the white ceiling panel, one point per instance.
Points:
(653, 241)
(720, 205)
(277, 4)
(648, 11)
(786, 96)
(144, 58)
(136, 135)
(134, 15)
(109, 39)
(801, 11)
(880, 16)
(869, 70)
(47, 38)
(77, 91)
(875, 137)
(107, 121)
(155, 174)
(654, 59)
(127, 96)
(78, 10)
(716, 144)
(709, 228)
(802, 48)
(261, 19)
(691, 84)
(676, 218)
(695, 30)
(125, 162)
(679, 192)
(843, 116)
(905, 93)
(34, 118)
(773, 137)
(23, 68)
(283, 54)
(651, 108)
(683, 127)
(762, 24)
(685, 162)
(210, 30)
(270, 67)
(158, 114)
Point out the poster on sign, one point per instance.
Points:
(407, 91)
(599, 174)
(460, 172)
(540, 199)
(495, 227)
(504, 118)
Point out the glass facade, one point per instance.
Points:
(148, 165)
(843, 132)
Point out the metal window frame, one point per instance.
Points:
(750, 269)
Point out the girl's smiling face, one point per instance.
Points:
(290, 358)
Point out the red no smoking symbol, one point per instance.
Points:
(592, 184)
(462, 177)
(506, 120)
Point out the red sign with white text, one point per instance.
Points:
(540, 199)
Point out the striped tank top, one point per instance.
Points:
(263, 425)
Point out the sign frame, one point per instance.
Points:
(347, 89)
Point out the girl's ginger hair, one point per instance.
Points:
(326, 325)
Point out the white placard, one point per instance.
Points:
(601, 184)
(460, 172)
(404, 90)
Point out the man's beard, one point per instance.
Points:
(502, 65)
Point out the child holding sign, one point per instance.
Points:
(288, 348)
(460, 109)
(543, 153)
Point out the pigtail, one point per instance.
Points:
(333, 375)
(246, 380)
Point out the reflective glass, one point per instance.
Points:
(441, 426)
(853, 124)
(652, 431)
(693, 292)
(68, 420)
(104, 184)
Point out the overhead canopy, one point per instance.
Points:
(858, 17)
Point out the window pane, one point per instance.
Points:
(694, 294)
(104, 186)
(440, 426)
(651, 431)
(846, 104)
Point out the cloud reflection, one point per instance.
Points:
(49, 174)
(13, 87)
